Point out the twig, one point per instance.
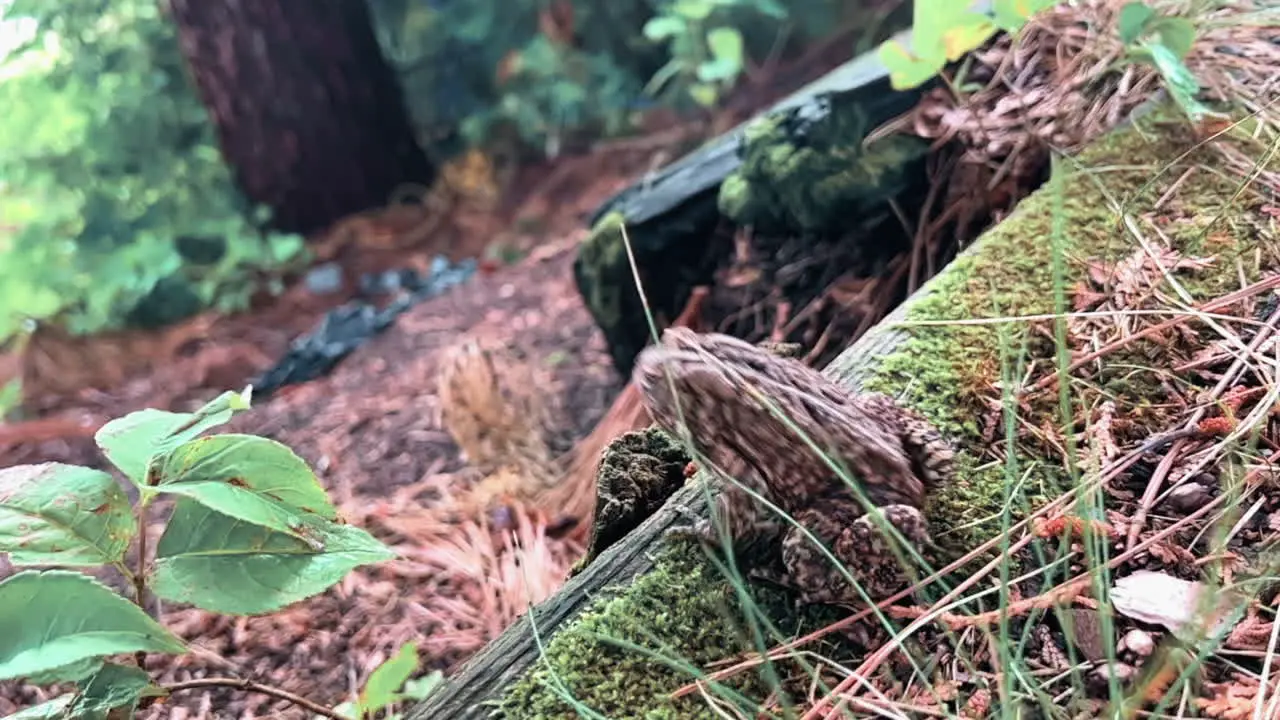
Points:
(1214, 305)
(1157, 478)
(870, 664)
(257, 687)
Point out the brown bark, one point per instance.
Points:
(308, 112)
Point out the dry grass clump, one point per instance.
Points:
(489, 405)
(485, 577)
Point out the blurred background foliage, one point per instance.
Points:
(118, 210)
(112, 189)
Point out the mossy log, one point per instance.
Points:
(646, 616)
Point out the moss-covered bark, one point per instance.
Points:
(685, 609)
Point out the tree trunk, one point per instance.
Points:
(308, 113)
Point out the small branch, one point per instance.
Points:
(252, 686)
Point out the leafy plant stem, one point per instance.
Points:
(257, 687)
(144, 500)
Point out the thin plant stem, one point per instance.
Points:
(257, 687)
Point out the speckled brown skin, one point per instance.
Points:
(716, 384)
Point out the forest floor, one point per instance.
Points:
(372, 427)
(372, 430)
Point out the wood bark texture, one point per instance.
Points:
(308, 112)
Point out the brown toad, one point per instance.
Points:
(716, 384)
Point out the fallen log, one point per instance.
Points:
(596, 646)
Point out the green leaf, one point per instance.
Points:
(704, 94)
(714, 71)
(966, 36)
(1182, 85)
(422, 687)
(246, 477)
(55, 514)
(695, 10)
(54, 618)
(223, 564)
(726, 45)
(73, 673)
(131, 441)
(55, 709)
(1132, 21)
(907, 70)
(1011, 15)
(1177, 34)
(663, 26)
(384, 683)
(114, 686)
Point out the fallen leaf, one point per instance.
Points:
(1160, 599)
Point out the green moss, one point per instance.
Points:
(638, 472)
(682, 610)
(602, 254)
(948, 372)
(800, 175)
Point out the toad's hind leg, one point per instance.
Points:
(877, 559)
(860, 547)
(932, 457)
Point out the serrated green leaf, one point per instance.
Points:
(55, 709)
(663, 26)
(1132, 21)
(223, 564)
(53, 618)
(111, 688)
(251, 478)
(73, 673)
(56, 514)
(384, 683)
(131, 441)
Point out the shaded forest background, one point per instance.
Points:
(163, 158)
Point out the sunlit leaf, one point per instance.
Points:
(907, 70)
(251, 478)
(131, 441)
(662, 27)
